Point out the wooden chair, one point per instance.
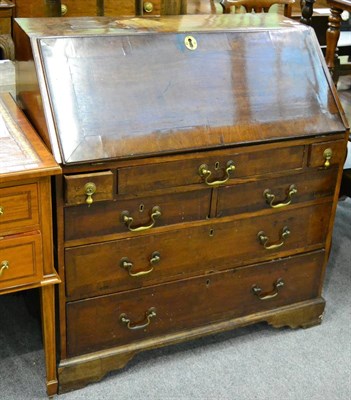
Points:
(256, 6)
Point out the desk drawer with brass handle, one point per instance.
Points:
(145, 260)
(118, 319)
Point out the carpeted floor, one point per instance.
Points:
(257, 362)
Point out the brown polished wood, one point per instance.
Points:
(255, 5)
(26, 247)
(6, 42)
(333, 32)
(196, 196)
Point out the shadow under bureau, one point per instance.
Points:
(201, 160)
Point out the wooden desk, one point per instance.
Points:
(26, 255)
(333, 32)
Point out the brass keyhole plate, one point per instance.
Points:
(190, 43)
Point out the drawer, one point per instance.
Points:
(247, 162)
(151, 259)
(280, 192)
(18, 208)
(102, 322)
(89, 8)
(21, 260)
(89, 188)
(135, 214)
(328, 153)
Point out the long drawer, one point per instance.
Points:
(149, 259)
(118, 319)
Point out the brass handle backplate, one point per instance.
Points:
(270, 197)
(204, 172)
(279, 283)
(150, 313)
(2, 210)
(64, 9)
(4, 265)
(327, 154)
(128, 265)
(264, 239)
(148, 7)
(155, 214)
(89, 190)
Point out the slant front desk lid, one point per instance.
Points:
(136, 87)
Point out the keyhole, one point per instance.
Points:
(141, 207)
(190, 42)
(211, 233)
(216, 165)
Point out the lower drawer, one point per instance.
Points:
(118, 319)
(21, 260)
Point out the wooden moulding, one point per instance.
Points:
(77, 372)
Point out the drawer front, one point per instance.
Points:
(192, 171)
(85, 8)
(326, 154)
(130, 263)
(89, 188)
(102, 322)
(280, 192)
(18, 208)
(21, 260)
(134, 214)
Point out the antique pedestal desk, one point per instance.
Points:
(26, 255)
(201, 160)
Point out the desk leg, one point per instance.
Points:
(48, 326)
(333, 34)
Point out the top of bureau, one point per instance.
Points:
(22, 153)
(132, 87)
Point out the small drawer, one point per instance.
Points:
(89, 188)
(21, 260)
(278, 193)
(18, 208)
(146, 260)
(205, 170)
(120, 319)
(136, 214)
(326, 154)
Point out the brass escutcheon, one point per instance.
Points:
(89, 189)
(148, 7)
(4, 265)
(150, 313)
(279, 283)
(64, 9)
(327, 154)
(2, 210)
(190, 43)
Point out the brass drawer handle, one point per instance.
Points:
(2, 210)
(264, 239)
(279, 283)
(4, 265)
(327, 154)
(150, 313)
(89, 190)
(155, 214)
(204, 172)
(128, 265)
(270, 197)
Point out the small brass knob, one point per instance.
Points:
(90, 189)
(328, 153)
(148, 7)
(64, 10)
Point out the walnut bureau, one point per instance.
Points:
(26, 254)
(201, 160)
